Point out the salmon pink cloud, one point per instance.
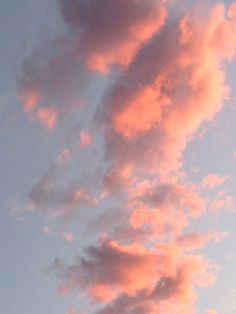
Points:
(111, 272)
(47, 117)
(112, 32)
(222, 202)
(195, 241)
(163, 70)
(99, 35)
(211, 311)
(182, 89)
(67, 236)
(52, 82)
(232, 12)
(29, 99)
(213, 180)
(71, 311)
(85, 139)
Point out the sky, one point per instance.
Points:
(118, 157)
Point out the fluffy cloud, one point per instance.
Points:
(57, 76)
(213, 180)
(174, 84)
(165, 78)
(112, 32)
(111, 269)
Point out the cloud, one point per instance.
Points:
(47, 117)
(57, 199)
(111, 272)
(195, 241)
(58, 75)
(164, 208)
(111, 33)
(223, 201)
(170, 295)
(180, 79)
(213, 180)
(106, 270)
(67, 236)
(71, 310)
(211, 311)
(52, 82)
(85, 139)
(165, 78)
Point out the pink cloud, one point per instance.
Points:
(63, 290)
(173, 86)
(49, 86)
(112, 31)
(195, 241)
(67, 236)
(213, 180)
(99, 35)
(222, 202)
(211, 311)
(71, 310)
(64, 156)
(232, 12)
(47, 117)
(166, 206)
(111, 272)
(85, 139)
(29, 99)
(165, 81)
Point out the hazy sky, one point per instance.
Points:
(118, 157)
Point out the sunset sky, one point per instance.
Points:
(118, 161)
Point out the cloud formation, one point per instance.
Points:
(111, 33)
(165, 78)
(165, 284)
(213, 180)
(174, 84)
(57, 76)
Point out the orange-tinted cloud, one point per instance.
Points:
(112, 32)
(67, 236)
(165, 206)
(211, 311)
(182, 84)
(59, 73)
(30, 99)
(49, 85)
(165, 78)
(112, 272)
(195, 241)
(213, 180)
(47, 117)
(85, 139)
